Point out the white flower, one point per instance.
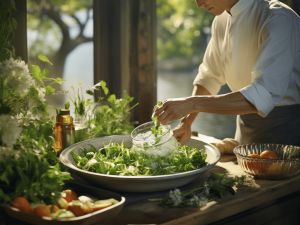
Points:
(25, 118)
(19, 91)
(16, 75)
(198, 201)
(206, 188)
(9, 130)
(41, 94)
(176, 197)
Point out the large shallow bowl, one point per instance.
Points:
(91, 218)
(287, 164)
(136, 183)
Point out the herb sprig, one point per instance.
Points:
(25, 173)
(217, 185)
(110, 116)
(156, 129)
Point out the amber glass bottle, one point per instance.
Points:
(64, 130)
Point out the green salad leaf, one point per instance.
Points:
(116, 159)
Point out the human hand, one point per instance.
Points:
(183, 132)
(174, 109)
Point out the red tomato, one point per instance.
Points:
(69, 195)
(22, 204)
(42, 210)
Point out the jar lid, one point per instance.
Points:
(64, 119)
(64, 112)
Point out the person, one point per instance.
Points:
(255, 50)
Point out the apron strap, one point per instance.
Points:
(281, 126)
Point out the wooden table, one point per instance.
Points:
(273, 199)
(271, 202)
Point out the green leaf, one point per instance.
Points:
(58, 80)
(50, 90)
(116, 159)
(104, 87)
(44, 58)
(36, 72)
(67, 105)
(89, 92)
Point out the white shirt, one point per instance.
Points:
(255, 49)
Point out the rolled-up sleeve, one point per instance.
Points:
(209, 72)
(271, 73)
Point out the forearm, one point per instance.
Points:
(229, 104)
(198, 90)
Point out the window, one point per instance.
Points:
(63, 31)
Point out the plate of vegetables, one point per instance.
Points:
(78, 204)
(110, 162)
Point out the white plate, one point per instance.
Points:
(137, 183)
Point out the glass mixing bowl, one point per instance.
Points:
(287, 164)
(145, 140)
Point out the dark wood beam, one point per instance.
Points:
(107, 47)
(20, 37)
(125, 50)
(143, 57)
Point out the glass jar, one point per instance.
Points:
(64, 130)
(81, 128)
(146, 139)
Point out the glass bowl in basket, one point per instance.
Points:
(286, 165)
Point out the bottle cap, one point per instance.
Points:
(64, 117)
(64, 112)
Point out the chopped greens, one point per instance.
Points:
(116, 159)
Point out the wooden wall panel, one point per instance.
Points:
(125, 50)
(143, 83)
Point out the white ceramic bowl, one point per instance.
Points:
(136, 183)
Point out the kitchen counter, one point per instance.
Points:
(270, 198)
(267, 202)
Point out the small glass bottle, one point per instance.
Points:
(64, 130)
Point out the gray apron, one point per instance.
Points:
(281, 126)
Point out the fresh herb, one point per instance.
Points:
(81, 104)
(116, 159)
(25, 173)
(217, 185)
(111, 115)
(156, 129)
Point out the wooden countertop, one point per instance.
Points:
(138, 210)
(143, 211)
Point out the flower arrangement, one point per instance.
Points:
(28, 162)
(28, 165)
(15, 83)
